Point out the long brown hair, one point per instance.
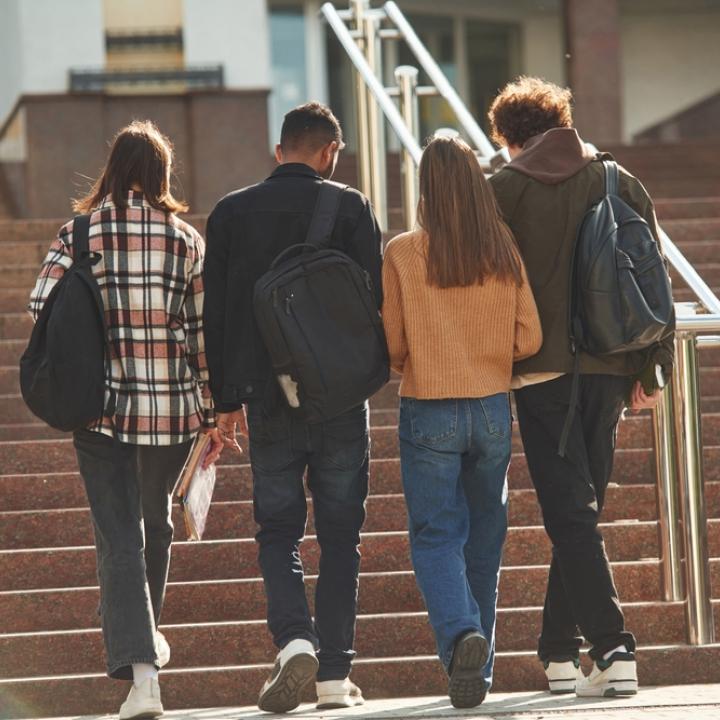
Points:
(467, 239)
(140, 156)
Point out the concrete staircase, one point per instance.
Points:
(51, 656)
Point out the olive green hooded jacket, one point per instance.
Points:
(543, 195)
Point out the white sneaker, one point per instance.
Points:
(335, 694)
(563, 676)
(295, 666)
(143, 702)
(615, 676)
(162, 649)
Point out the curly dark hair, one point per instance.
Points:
(526, 107)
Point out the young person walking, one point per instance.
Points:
(458, 311)
(150, 280)
(553, 179)
(246, 231)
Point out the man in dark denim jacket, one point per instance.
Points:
(245, 232)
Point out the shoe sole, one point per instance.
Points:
(285, 692)
(562, 687)
(338, 702)
(467, 685)
(150, 715)
(619, 688)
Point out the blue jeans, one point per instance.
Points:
(335, 457)
(454, 457)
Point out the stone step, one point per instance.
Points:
(687, 208)
(379, 678)
(233, 558)
(29, 561)
(13, 299)
(685, 230)
(44, 231)
(244, 599)
(634, 466)
(377, 636)
(15, 326)
(709, 272)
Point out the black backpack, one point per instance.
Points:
(62, 371)
(318, 317)
(620, 294)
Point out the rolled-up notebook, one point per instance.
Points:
(195, 488)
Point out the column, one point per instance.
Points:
(592, 41)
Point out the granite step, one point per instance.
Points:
(61, 490)
(73, 567)
(708, 271)
(687, 208)
(13, 300)
(244, 599)
(377, 636)
(379, 678)
(44, 231)
(685, 230)
(634, 466)
(526, 545)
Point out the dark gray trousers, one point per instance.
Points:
(129, 488)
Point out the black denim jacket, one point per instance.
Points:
(245, 232)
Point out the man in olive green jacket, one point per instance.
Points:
(543, 193)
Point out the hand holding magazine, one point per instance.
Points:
(196, 487)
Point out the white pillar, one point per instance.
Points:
(232, 34)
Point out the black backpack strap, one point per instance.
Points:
(574, 392)
(612, 177)
(81, 237)
(325, 214)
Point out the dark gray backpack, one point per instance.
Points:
(318, 317)
(620, 293)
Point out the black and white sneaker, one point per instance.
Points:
(609, 678)
(467, 687)
(562, 675)
(295, 667)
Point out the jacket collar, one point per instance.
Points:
(295, 170)
(134, 199)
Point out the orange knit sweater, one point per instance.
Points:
(455, 342)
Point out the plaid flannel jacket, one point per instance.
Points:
(150, 279)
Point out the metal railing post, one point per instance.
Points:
(406, 78)
(667, 499)
(376, 125)
(359, 8)
(688, 437)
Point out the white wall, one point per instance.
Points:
(40, 40)
(669, 62)
(10, 56)
(233, 33)
(543, 53)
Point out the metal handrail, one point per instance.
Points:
(688, 273)
(436, 75)
(374, 85)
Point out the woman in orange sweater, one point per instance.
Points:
(458, 311)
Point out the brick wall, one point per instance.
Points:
(220, 139)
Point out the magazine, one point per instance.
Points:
(196, 488)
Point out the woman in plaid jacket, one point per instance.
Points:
(157, 400)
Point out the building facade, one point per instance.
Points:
(218, 76)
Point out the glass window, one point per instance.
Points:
(289, 72)
(492, 59)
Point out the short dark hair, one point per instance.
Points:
(527, 107)
(310, 127)
(140, 155)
